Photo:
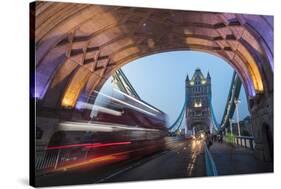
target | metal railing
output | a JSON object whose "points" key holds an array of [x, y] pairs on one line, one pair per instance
{"points": [[50, 159], [46, 160], [245, 141], [211, 169]]}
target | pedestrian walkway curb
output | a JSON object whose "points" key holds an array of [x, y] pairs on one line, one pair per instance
{"points": [[211, 169]]}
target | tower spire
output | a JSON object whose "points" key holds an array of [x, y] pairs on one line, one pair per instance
{"points": [[187, 78], [208, 75]]}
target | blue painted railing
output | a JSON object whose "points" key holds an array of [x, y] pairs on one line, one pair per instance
{"points": [[211, 169]]}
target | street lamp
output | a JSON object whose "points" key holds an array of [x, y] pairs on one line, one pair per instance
{"points": [[230, 124], [237, 101]]}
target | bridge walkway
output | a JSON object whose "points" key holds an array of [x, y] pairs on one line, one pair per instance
{"points": [[231, 160]]}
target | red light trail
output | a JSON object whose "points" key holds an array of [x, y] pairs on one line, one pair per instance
{"points": [[88, 145]]}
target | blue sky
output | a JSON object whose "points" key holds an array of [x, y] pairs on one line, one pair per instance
{"points": [[159, 79]]}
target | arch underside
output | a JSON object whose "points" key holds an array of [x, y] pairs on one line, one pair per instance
{"points": [[200, 125], [78, 46]]}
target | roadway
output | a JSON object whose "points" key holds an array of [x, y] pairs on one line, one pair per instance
{"points": [[182, 158]]}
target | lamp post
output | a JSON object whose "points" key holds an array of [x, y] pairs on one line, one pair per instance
{"points": [[230, 124], [236, 101], [193, 131], [231, 130]]}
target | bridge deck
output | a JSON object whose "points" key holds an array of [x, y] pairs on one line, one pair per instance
{"points": [[237, 160], [184, 159]]}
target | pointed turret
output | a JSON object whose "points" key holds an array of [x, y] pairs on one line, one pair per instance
{"points": [[187, 78], [208, 76]]}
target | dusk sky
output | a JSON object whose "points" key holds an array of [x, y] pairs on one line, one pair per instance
{"points": [[160, 80]]}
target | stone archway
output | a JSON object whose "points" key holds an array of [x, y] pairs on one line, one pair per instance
{"points": [[200, 126], [78, 46]]}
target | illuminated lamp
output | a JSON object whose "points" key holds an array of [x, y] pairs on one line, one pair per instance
{"points": [[197, 105], [191, 82]]}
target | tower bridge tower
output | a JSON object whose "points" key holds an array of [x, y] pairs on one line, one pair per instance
{"points": [[198, 98]]}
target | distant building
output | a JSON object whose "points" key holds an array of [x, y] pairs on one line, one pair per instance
{"points": [[198, 97]]}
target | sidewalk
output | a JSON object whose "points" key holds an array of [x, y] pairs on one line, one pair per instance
{"points": [[231, 160]]}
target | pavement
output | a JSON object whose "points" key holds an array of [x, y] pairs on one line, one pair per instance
{"points": [[232, 160]]}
